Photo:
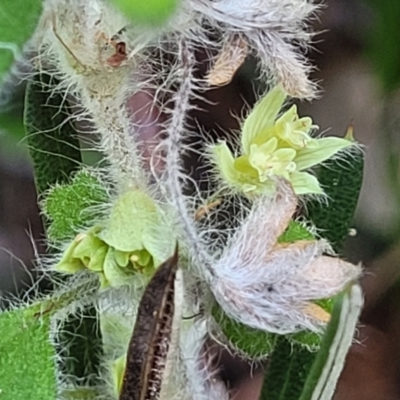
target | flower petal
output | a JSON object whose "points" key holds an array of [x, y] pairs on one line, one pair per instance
{"points": [[114, 275], [133, 214], [96, 262], [289, 115], [144, 258], [159, 243], [265, 135], [305, 183], [87, 246], [262, 116], [326, 148], [122, 258], [285, 154], [243, 166], [325, 276], [70, 267], [224, 161], [267, 148]]}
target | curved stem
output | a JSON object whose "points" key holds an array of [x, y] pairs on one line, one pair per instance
{"points": [[173, 164]]}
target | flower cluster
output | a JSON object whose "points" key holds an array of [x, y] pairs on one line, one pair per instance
{"points": [[118, 250], [275, 146]]}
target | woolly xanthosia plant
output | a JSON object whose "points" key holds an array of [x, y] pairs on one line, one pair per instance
{"points": [[135, 248]]}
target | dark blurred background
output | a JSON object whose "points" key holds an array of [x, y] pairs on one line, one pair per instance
{"points": [[357, 63]]}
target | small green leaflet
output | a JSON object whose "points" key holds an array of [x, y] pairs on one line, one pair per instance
{"points": [[325, 372]]}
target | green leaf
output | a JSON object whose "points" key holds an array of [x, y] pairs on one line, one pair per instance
{"points": [[251, 343], [341, 180], [80, 393], [79, 345], [295, 231], [148, 12], [295, 373], [52, 138], [69, 208], [27, 359], [18, 19], [287, 370], [322, 379]]}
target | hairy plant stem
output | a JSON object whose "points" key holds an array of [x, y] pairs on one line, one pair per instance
{"points": [[174, 139], [112, 121]]}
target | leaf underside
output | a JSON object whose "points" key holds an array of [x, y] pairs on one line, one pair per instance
{"points": [[52, 138]]}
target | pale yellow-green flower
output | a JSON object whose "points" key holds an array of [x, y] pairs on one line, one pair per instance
{"points": [[275, 146], [133, 240]]}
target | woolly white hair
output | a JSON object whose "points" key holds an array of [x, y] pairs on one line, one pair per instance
{"points": [[86, 45], [270, 27], [201, 380], [268, 286]]}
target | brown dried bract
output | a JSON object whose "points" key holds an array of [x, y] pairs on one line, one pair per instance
{"points": [[230, 58], [148, 348]]}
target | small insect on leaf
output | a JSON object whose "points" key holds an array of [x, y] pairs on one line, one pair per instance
{"points": [[148, 349]]}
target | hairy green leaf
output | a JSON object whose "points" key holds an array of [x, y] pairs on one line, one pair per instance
{"points": [[322, 379], [52, 138], [27, 365], [295, 231], [251, 343], [71, 207], [341, 179], [287, 371]]}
